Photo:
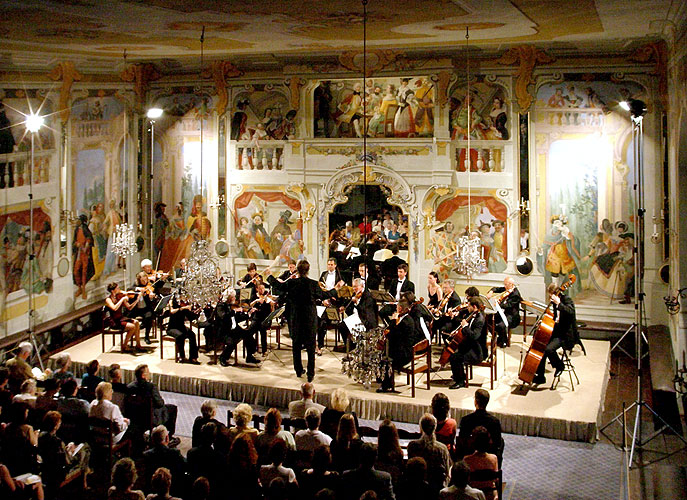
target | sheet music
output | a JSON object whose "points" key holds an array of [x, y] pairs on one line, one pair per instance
{"points": [[353, 322], [320, 310], [425, 330], [340, 247]]}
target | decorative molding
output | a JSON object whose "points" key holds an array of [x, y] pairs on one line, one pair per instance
{"points": [[377, 60], [527, 56], [656, 52], [66, 72], [443, 79], [219, 71], [423, 150], [141, 75], [294, 84]]}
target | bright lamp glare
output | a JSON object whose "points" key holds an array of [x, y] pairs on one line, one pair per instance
{"points": [[625, 105], [154, 113], [34, 123]]}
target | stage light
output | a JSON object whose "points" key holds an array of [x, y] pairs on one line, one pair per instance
{"points": [[637, 108], [154, 113], [34, 123], [625, 105]]}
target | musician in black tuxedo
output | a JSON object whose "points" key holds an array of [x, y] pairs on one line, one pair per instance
{"points": [[564, 332], [301, 293], [368, 276], [390, 265], [250, 279], [261, 307], [291, 271], [237, 325], [362, 303], [396, 288], [328, 280], [473, 347], [401, 337], [511, 309], [446, 323]]}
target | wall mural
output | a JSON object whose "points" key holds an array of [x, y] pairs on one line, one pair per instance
{"points": [[487, 218], [584, 142], [387, 107], [98, 121], [262, 114], [267, 227]]}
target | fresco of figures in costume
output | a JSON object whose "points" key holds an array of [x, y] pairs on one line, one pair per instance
{"points": [[487, 218], [487, 110], [267, 227], [98, 122], [387, 107], [585, 141], [174, 237], [15, 104]]}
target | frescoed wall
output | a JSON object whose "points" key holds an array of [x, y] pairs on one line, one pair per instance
{"points": [[267, 227], [262, 113], [584, 146], [387, 107]]}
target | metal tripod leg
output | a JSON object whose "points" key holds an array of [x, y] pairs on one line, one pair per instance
{"points": [[627, 332]]}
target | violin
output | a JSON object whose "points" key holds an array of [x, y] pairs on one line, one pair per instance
{"points": [[148, 290]]}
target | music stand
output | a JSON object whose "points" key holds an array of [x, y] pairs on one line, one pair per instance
{"points": [[345, 292], [488, 307], [333, 314], [382, 296], [273, 315], [245, 294], [164, 301]]}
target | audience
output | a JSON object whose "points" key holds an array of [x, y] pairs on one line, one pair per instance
{"points": [[446, 426], [160, 484], [459, 488], [115, 374], [160, 455], [346, 447], [63, 361], [5, 393], [338, 405], [320, 476], [357, 481], [123, 479], [435, 454], [389, 452], [243, 415], [272, 432], [103, 407], [413, 483], [275, 469], [312, 437], [27, 394], [480, 417], [90, 379], [297, 408], [19, 369], [47, 400], [74, 410], [13, 488], [481, 459], [208, 412], [165, 414], [19, 442], [242, 469], [200, 489], [204, 460]]}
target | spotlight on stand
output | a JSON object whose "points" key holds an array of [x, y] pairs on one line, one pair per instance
{"points": [[636, 107], [34, 123], [154, 113]]}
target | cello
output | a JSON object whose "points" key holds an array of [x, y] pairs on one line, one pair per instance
{"points": [[456, 340], [541, 338]]}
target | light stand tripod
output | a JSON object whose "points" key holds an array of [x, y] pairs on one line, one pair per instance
{"points": [[638, 109]]}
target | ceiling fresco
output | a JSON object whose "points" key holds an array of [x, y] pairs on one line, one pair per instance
{"points": [[36, 31]]}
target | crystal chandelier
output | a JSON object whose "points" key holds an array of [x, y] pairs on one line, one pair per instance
{"points": [[124, 242], [366, 362], [202, 283], [469, 260]]}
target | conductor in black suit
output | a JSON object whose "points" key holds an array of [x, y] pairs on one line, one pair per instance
{"points": [[301, 293], [362, 303], [472, 349], [511, 309], [355, 482], [396, 288], [563, 335], [403, 334]]}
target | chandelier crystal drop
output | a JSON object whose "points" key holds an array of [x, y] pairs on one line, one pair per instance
{"points": [[124, 242], [202, 283], [366, 362], [470, 261]]}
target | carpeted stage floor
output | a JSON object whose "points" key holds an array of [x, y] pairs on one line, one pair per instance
{"points": [[561, 414]]}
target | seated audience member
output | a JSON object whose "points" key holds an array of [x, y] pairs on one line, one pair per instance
{"points": [[275, 469], [200, 489], [12, 488], [480, 417], [272, 432], [115, 374], [331, 415], [165, 414], [73, 409], [357, 481], [160, 455], [297, 408], [27, 394], [243, 469], [47, 400], [90, 379], [312, 437], [63, 361], [276, 490], [19, 369], [435, 454], [320, 476], [160, 484], [208, 412], [459, 488], [389, 452], [413, 483], [19, 444], [243, 415], [103, 407], [204, 460], [5, 393], [345, 447], [446, 426], [123, 479], [481, 459], [58, 459], [325, 494]]}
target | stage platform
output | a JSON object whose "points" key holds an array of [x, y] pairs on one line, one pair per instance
{"points": [[563, 413]]}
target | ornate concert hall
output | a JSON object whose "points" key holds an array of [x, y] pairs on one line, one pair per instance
{"points": [[404, 200]]}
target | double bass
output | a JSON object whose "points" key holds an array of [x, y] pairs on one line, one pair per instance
{"points": [[541, 338]]}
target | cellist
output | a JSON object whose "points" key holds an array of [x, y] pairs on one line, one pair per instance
{"points": [[472, 347], [563, 332]]}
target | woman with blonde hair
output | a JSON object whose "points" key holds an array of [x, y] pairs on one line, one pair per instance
{"points": [[243, 414], [331, 415]]}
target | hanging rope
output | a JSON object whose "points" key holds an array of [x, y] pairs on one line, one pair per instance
{"points": [[468, 100], [365, 218], [202, 113]]}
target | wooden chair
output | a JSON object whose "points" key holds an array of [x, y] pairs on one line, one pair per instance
{"points": [[165, 336], [101, 439], [490, 360], [483, 475], [139, 410], [421, 350], [110, 330]]}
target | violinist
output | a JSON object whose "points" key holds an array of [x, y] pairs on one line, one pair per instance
{"points": [[368, 276], [179, 312], [416, 311], [563, 335], [329, 280], [401, 336], [446, 322], [237, 325], [472, 349], [364, 304], [153, 276], [250, 279], [288, 273], [115, 302], [398, 285], [145, 307], [262, 306], [509, 300]]}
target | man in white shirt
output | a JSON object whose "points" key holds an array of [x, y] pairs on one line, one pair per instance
{"points": [[459, 488], [312, 437], [298, 408], [103, 407], [396, 288]]}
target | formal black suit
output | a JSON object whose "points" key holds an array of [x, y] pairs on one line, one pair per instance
{"points": [[357, 481], [401, 338], [371, 282], [301, 294], [367, 311], [170, 458], [324, 323], [390, 269], [563, 335], [511, 310], [445, 324], [231, 333], [476, 419], [389, 309], [470, 349], [165, 414]]}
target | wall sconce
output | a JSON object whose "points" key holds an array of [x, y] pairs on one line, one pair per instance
{"points": [[307, 214], [221, 201], [656, 235], [69, 216], [428, 222]]}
